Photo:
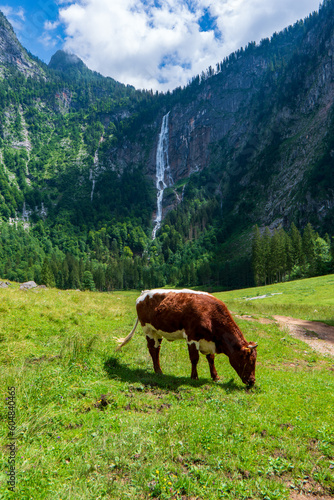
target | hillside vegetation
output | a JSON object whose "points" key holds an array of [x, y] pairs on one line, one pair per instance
{"points": [[94, 424], [250, 142]]}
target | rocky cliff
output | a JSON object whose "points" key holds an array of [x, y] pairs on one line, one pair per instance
{"points": [[256, 133], [12, 54], [261, 126]]}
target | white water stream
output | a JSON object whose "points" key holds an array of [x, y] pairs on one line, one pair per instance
{"points": [[93, 173], [163, 173]]}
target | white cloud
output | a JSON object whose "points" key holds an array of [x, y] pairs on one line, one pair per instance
{"points": [[161, 45], [20, 13], [47, 40], [49, 25]]}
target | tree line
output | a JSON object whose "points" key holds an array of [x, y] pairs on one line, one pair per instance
{"points": [[286, 255], [107, 260]]}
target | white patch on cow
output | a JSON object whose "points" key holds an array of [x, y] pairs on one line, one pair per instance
{"points": [[162, 291], [207, 347], [194, 342], [154, 334]]}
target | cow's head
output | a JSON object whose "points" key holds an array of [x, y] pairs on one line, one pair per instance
{"points": [[244, 361]]}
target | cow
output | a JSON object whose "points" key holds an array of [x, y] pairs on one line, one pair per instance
{"points": [[203, 321]]}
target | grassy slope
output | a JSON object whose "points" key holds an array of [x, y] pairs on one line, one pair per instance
{"points": [[160, 436], [311, 299]]}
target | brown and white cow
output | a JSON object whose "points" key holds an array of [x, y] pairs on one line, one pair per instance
{"points": [[203, 321]]}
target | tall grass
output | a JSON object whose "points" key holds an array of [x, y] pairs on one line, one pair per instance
{"points": [[93, 424]]}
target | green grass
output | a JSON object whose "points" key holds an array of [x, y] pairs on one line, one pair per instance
{"points": [[311, 299], [94, 424]]}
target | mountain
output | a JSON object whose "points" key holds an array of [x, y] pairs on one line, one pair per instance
{"points": [[12, 54], [70, 67], [83, 158], [65, 61], [259, 129]]}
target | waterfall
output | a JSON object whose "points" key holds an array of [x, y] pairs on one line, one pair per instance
{"points": [[91, 178], [93, 173], [162, 171]]}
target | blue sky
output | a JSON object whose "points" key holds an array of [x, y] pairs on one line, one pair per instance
{"points": [[158, 44]]}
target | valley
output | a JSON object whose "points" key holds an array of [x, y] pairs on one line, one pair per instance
{"points": [[97, 179]]}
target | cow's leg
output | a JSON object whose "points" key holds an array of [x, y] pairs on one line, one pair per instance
{"points": [[194, 357], [213, 371], [154, 351]]}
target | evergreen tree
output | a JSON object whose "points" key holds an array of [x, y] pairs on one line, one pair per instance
{"points": [[47, 276], [267, 256], [298, 257], [258, 257], [88, 281], [308, 242]]}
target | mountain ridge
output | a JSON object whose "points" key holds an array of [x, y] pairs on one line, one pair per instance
{"points": [[12, 53], [248, 142]]}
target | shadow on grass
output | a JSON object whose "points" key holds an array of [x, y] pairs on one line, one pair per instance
{"points": [[120, 371]]}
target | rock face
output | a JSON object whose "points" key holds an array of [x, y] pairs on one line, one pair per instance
{"points": [[13, 54], [212, 115], [259, 126], [259, 130]]}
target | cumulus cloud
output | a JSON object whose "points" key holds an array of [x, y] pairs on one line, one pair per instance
{"points": [[161, 45], [50, 26], [47, 40]]}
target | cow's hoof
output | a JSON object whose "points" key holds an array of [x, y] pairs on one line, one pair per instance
{"points": [[215, 379]]}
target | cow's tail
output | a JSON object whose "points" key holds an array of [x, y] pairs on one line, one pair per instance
{"points": [[127, 339]]}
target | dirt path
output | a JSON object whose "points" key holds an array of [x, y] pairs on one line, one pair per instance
{"points": [[318, 335]]}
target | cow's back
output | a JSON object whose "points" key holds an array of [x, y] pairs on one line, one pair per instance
{"points": [[171, 311]]}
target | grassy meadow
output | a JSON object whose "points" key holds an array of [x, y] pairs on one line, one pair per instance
{"points": [[93, 424], [311, 299]]}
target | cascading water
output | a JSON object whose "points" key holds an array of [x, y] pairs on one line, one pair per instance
{"points": [[94, 172], [162, 171]]}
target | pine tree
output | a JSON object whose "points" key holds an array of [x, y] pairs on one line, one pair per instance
{"points": [[296, 246], [88, 282], [308, 240], [267, 255], [47, 276], [258, 258]]}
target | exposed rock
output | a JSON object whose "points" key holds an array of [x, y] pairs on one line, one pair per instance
{"points": [[28, 285], [262, 128], [12, 52], [256, 129]]}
